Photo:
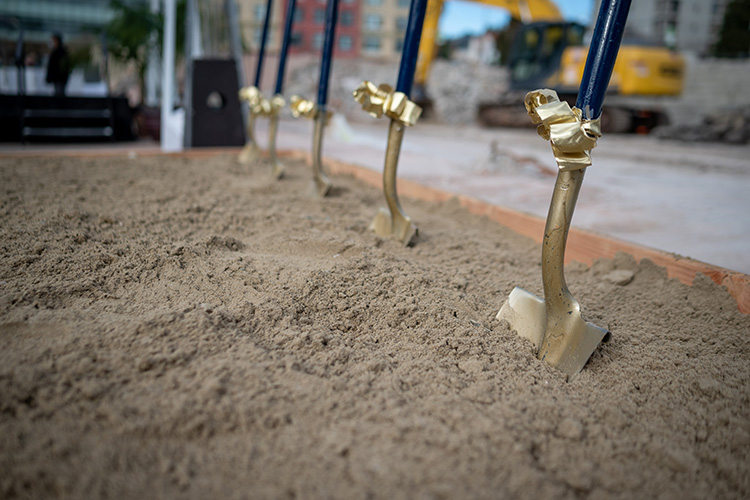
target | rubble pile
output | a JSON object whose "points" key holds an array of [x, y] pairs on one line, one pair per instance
{"points": [[456, 88], [729, 125], [347, 75]]}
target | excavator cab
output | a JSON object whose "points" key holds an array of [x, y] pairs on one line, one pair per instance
{"points": [[537, 52]]}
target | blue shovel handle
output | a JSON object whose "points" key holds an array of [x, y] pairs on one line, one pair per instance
{"points": [[605, 42], [411, 46], [288, 22], [263, 37], [332, 13]]}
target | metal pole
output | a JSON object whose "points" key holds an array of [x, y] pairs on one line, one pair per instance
{"points": [[152, 73], [167, 87], [235, 39]]}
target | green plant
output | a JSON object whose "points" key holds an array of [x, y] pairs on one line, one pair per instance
{"points": [[734, 37], [130, 30]]}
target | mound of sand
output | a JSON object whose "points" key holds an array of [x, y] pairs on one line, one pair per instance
{"points": [[190, 329]]}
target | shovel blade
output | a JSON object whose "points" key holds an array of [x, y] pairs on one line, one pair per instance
{"points": [[570, 342], [387, 225], [249, 154], [526, 314]]}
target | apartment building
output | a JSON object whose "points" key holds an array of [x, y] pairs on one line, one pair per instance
{"points": [[309, 25], [383, 27], [687, 25], [252, 16], [368, 28]]}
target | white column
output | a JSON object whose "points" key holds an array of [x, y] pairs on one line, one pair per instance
{"points": [[172, 123]]}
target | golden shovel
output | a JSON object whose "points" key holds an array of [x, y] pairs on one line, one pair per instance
{"points": [[300, 106], [276, 104], [254, 98], [554, 325], [379, 101], [392, 221]]}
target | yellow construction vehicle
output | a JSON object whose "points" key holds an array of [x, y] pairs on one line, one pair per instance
{"points": [[549, 52]]}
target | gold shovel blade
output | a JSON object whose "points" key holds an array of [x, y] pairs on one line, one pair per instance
{"points": [[249, 154], [562, 338], [396, 225]]}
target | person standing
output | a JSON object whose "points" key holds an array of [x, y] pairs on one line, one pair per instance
{"points": [[58, 67]]}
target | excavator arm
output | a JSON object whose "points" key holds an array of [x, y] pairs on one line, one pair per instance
{"points": [[524, 10]]}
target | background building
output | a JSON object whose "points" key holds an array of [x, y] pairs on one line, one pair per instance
{"points": [[383, 27], [309, 25], [252, 15], [687, 25]]}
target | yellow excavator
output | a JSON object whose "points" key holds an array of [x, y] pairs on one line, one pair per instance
{"points": [[549, 52]]}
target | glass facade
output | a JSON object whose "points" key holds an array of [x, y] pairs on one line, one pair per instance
{"points": [[71, 18]]}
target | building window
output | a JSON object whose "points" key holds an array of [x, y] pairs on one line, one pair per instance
{"points": [[373, 22], [347, 18], [320, 16], [317, 40], [404, 3], [399, 45], [401, 23], [345, 43], [371, 44], [299, 15], [296, 40], [375, 3], [259, 12]]}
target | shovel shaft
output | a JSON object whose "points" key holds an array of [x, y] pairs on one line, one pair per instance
{"points": [[395, 138], [392, 222], [556, 293], [321, 181], [273, 128], [249, 153]]}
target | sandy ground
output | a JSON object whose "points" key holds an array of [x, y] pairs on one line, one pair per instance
{"points": [[189, 329]]}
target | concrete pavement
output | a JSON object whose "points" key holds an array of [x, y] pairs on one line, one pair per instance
{"points": [[689, 199]]}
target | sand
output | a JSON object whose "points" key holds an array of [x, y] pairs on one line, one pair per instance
{"points": [[174, 328]]}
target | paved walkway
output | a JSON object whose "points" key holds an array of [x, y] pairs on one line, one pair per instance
{"points": [[690, 199]]}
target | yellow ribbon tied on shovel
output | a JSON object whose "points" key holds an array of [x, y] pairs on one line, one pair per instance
{"points": [[259, 105], [253, 97], [274, 105], [383, 100], [572, 137], [305, 108]]}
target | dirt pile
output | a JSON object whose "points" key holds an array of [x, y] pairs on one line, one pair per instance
{"points": [[192, 329]]}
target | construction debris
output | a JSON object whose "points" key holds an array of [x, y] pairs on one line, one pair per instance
{"points": [[456, 88], [729, 125]]}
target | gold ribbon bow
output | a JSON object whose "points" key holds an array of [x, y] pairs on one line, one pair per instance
{"points": [[572, 136], [253, 97], [382, 100], [275, 105], [259, 105], [306, 108]]}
